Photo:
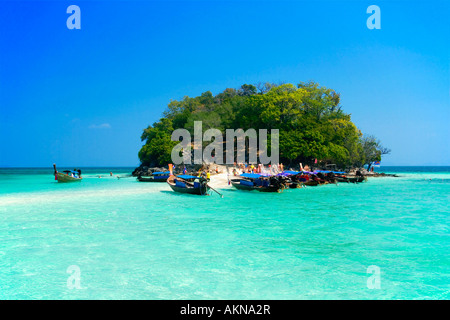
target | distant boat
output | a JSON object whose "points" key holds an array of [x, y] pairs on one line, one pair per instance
{"points": [[67, 175], [155, 177], [189, 184]]}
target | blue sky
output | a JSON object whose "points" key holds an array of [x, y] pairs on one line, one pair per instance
{"points": [[83, 97]]}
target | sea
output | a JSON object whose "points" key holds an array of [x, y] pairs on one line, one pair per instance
{"points": [[112, 237]]}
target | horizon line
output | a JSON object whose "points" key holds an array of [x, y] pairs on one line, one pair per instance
{"points": [[134, 166]]}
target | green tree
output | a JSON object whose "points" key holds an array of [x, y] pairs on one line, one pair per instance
{"points": [[158, 147], [311, 121], [372, 150]]}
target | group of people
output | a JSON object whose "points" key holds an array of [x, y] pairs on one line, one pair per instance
{"points": [[259, 168], [75, 173], [204, 174]]}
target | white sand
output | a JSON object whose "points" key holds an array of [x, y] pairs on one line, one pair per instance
{"points": [[220, 180]]}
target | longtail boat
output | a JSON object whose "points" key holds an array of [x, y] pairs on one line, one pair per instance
{"points": [[342, 179], [356, 179], [291, 179], [155, 177], [189, 184], [302, 178], [67, 175], [253, 181], [311, 183]]}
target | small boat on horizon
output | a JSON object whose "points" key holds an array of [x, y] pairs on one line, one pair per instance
{"points": [[67, 175]]}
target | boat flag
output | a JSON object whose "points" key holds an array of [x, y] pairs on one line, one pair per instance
{"points": [[170, 169]]}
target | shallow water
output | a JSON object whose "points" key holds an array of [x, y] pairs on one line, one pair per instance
{"points": [[134, 240]]}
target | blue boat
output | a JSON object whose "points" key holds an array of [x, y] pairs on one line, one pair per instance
{"points": [[155, 177], [254, 181], [189, 184]]}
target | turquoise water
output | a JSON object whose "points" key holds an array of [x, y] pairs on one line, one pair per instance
{"points": [[134, 240]]}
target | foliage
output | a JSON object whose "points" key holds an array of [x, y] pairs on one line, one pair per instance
{"points": [[372, 150], [311, 121]]}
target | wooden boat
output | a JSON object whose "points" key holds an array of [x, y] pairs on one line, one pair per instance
{"points": [[289, 179], [342, 179], [243, 184], [295, 185], [311, 183], [67, 175], [155, 177], [189, 184], [304, 179], [292, 184], [271, 188], [251, 181], [357, 179]]}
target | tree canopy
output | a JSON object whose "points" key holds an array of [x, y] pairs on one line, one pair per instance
{"points": [[310, 119]]}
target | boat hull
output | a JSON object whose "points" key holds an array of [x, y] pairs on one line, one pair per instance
{"points": [[270, 189], [62, 177], [311, 183], [196, 191], [356, 179], [294, 185], [237, 184], [189, 188], [153, 179]]}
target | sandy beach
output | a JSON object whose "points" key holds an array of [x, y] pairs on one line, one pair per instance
{"points": [[220, 180]]}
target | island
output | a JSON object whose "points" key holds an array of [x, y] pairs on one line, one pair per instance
{"points": [[314, 130]]}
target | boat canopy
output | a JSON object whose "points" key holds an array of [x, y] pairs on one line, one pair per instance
{"points": [[167, 172], [68, 171], [287, 172], [251, 175], [186, 177], [326, 171]]}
